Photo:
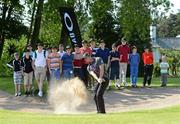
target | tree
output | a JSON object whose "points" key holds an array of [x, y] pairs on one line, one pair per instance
{"points": [[104, 24], [135, 18], [11, 25], [169, 26], [37, 23]]}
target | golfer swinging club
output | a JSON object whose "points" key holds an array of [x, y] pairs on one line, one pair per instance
{"points": [[96, 69]]}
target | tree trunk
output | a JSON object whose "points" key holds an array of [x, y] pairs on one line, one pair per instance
{"points": [[32, 22], [37, 24], [2, 36], [2, 39]]}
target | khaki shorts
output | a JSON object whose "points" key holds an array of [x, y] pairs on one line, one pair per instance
{"points": [[28, 78], [40, 73]]}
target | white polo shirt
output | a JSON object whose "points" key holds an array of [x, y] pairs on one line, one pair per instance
{"points": [[40, 59]]}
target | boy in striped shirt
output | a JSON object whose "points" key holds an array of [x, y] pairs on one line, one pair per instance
{"points": [[54, 63]]}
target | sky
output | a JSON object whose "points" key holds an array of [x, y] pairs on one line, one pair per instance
{"points": [[176, 6]]}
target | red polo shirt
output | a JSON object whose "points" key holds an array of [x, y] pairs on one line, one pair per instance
{"points": [[124, 51], [147, 58]]}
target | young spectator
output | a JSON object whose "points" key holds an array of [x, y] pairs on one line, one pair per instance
{"points": [[124, 51], [54, 63], [48, 75], [164, 66], [85, 50], [28, 68], [78, 62], [93, 47], [113, 63], [134, 60], [61, 50], [67, 63], [103, 53], [18, 72], [148, 59], [96, 69], [31, 53], [40, 57]]}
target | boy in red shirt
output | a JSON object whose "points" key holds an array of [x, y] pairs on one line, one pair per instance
{"points": [[78, 62], [148, 59], [85, 50], [124, 51]]}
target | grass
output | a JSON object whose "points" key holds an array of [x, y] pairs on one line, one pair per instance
{"points": [[161, 116], [6, 84]]}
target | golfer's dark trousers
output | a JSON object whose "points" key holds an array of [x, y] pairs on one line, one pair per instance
{"points": [[98, 96], [148, 71]]}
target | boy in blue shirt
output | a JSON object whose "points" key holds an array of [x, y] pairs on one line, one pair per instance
{"points": [[113, 63], [134, 60], [67, 63], [103, 53]]}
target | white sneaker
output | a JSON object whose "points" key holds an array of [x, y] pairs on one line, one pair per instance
{"points": [[16, 94], [40, 94], [19, 94], [118, 86]]}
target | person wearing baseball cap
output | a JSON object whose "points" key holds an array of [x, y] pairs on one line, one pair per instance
{"points": [[148, 60], [67, 63]]}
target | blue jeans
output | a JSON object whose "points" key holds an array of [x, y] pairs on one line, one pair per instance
{"points": [[55, 74], [68, 73], [134, 74]]}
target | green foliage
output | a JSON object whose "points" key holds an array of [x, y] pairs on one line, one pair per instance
{"points": [[156, 71], [10, 47], [135, 20], [104, 24], [173, 60], [169, 26]]}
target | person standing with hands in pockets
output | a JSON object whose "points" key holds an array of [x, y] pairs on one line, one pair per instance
{"points": [[96, 70]]}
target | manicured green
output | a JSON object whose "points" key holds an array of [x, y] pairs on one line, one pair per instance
{"points": [[6, 84], [161, 116]]}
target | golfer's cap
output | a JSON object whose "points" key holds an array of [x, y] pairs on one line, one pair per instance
{"points": [[86, 55]]}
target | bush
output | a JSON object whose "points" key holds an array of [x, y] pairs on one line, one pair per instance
{"points": [[156, 71]]}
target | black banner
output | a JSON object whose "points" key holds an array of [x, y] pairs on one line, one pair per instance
{"points": [[69, 21]]}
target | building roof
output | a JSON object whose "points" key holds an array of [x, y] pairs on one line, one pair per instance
{"points": [[169, 43]]}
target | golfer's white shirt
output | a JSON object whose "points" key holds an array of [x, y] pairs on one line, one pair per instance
{"points": [[40, 60]]}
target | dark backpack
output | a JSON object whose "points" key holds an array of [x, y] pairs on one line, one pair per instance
{"points": [[35, 54]]}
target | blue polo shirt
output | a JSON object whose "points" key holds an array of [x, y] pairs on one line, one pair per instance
{"points": [[134, 59], [104, 54], [67, 61]]}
